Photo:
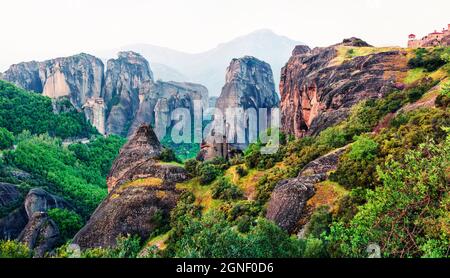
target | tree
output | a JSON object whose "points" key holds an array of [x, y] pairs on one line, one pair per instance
{"points": [[403, 215], [6, 138], [69, 222]]}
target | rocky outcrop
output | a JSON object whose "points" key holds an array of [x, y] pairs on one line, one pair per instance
{"points": [[79, 78], [128, 79], [9, 194], [248, 86], [39, 200], [141, 148], [41, 234], [288, 200], [318, 87], [141, 189], [162, 99], [115, 102], [12, 224]]}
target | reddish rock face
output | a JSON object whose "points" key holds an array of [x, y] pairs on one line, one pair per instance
{"points": [[318, 92]]}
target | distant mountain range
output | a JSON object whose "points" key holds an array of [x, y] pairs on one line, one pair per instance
{"points": [[208, 68]]}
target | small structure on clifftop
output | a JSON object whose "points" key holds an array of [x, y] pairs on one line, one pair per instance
{"points": [[432, 39]]}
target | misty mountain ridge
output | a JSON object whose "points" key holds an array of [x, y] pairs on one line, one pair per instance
{"points": [[208, 67]]}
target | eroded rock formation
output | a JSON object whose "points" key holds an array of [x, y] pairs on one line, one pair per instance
{"points": [[41, 234], [30, 223], [318, 87], [140, 188], [248, 87], [288, 200], [115, 102]]}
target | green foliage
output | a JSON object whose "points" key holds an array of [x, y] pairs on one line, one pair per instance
{"points": [[225, 190], [241, 171], [319, 222], [208, 173], [21, 110], [168, 155], [357, 168], [99, 154], [182, 151], [46, 157], [363, 148], [14, 249], [406, 215], [213, 237], [6, 139], [126, 247], [431, 60], [191, 166], [254, 158], [69, 222]]}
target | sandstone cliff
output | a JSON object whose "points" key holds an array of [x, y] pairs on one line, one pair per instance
{"points": [[319, 86], [115, 102], [133, 98], [79, 78], [248, 85], [140, 189]]}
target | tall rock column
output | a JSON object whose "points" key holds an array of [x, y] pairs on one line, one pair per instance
{"points": [[248, 84], [127, 77]]}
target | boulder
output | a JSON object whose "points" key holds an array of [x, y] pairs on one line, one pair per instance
{"points": [[288, 200], [41, 234], [39, 200], [9, 194]]}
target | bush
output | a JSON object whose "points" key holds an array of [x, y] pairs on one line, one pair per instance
{"points": [[208, 173], [69, 222], [22, 110], [431, 61], [411, 204], [6, 139], [191, 166], [168, 155], [225, 190], [319, 223], [364, 148], [14, 249], [241, 171]]}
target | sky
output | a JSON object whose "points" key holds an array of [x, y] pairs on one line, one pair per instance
{"points": [[44, 29]]}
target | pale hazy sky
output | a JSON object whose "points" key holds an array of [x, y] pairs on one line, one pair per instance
{"points": [[42, 29]]}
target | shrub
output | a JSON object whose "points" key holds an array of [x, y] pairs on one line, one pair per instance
{"points": [[241, 171], [69, 222], [14, 249], [411, 203], [319, 223], [364, 148], [191, 166], [168, 155], [225, 190], [207, 173]]}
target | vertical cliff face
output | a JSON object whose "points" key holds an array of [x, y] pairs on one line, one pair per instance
{"points": [[164, 97], [318, 87], [127, 77], [133, 98], [116, 102], [248, 84], [79, 78]]}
